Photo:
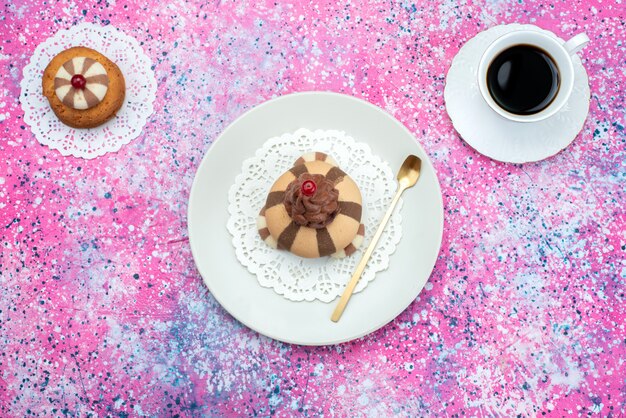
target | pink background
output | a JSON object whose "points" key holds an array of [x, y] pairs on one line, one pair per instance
{"points": [[102, 311]]}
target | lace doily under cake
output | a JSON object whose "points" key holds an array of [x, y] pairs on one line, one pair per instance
{"points": [[136, 67], [301, 279]]}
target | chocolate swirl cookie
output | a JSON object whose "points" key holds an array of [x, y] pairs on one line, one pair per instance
{"points": [[313, 210], [85, 89]]}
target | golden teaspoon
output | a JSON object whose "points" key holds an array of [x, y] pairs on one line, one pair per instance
{"points": [[408, 175]]}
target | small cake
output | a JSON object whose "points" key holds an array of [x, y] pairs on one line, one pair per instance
{"points": [[85, 89], [313, 210]]}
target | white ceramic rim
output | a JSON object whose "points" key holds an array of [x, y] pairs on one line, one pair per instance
{"points": [[553, 47], [308, 323]]}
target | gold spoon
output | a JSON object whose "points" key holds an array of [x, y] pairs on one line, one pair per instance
{"points": [[407, 177]]}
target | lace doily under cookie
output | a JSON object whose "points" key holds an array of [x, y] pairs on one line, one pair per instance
{"points": [[301, 279], [124, 51]]}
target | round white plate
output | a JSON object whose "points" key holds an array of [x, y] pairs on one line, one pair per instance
{"points": [[497, 137], [263, 310]]}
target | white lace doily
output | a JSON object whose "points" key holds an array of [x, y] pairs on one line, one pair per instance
{"points": [[324, 278], [120, 48]]}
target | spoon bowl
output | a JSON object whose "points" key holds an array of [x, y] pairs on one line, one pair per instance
{"points": [[410, 171]]}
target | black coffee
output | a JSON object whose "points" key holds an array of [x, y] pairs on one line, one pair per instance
{"points": [[523, 79]]}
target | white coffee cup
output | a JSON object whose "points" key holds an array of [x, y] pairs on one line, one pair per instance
{"points": [[561, 53]]}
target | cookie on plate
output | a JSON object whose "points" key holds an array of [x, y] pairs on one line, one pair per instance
{"points": [[313, 210], [85, 89]]}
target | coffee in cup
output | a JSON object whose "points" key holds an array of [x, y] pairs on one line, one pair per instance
{"points": [[528, 75], [523, 79]]}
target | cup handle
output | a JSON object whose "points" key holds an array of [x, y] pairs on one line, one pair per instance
{"points": [[576, 43]]}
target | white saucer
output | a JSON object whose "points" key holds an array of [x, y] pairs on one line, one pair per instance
{"points": [[262, 309], [491, 134]]}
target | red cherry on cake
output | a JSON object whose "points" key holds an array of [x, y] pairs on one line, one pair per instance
{"points": [[308, 188], [78, 81]]}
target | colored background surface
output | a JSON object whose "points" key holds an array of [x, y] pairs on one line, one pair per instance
{"points": [[102, 311]]}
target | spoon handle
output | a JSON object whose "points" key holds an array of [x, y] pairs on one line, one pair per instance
{"points": [[347, 294]]}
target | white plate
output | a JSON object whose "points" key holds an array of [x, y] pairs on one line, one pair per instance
{"points": [[497, 137], [263, 310]]}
